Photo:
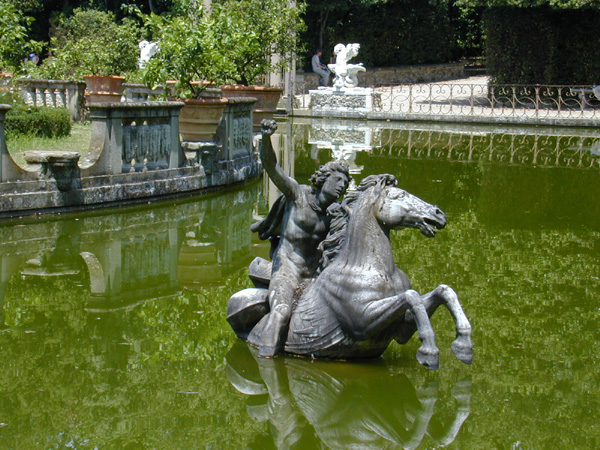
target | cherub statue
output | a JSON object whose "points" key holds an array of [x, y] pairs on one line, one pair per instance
{"points": [[147, 51], [346, 75]]}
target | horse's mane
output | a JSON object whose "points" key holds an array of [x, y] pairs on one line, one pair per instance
{"points": [[340, 216]]}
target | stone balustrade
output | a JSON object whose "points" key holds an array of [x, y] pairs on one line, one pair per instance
{"points": [[133, 137], [54, 93], [135, 153]]}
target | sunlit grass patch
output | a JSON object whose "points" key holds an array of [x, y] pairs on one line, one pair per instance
{"points": [[78, 141]]}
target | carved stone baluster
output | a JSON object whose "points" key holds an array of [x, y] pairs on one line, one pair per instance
{"points": [[60, 97], [40, 97], [29, 96], [49, 97], [152, 155], [140, 153], [129, 137], [165, 146]]}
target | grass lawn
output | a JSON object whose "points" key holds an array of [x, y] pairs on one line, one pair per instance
{"points": [[78, 141]]}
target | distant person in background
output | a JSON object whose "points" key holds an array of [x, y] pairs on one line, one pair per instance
{"points": [[319, 68]]}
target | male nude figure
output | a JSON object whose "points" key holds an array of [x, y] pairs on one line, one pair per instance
{"points": [[303, 224]]}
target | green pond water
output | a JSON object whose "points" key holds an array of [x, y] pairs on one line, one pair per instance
{"points": [[113, 331]]}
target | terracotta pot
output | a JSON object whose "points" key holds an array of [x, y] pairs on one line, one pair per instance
{"points": [[103, 88], [266, 100], [199, 119]]}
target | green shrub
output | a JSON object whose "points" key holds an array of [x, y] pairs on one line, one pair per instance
{"points": [[92, 42], [38, 121], [254, 29], [191, 49], [390, 33], [9, 96], [14, 40]]}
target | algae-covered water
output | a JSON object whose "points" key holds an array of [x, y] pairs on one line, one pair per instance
{"points": [[113, 331]]}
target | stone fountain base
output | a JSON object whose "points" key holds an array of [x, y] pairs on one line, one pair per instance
{"points": [[356, 99]]}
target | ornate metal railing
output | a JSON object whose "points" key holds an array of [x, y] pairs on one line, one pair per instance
{"points": [[464, 99]]}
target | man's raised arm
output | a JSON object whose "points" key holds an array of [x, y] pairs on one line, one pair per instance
{"points": [[286, 184]]}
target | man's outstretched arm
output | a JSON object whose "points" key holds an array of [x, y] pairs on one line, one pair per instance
{"points": [[286, 184]]}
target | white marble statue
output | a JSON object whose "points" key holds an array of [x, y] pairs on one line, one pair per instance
{"points": [[147, 51], [346, 75]]}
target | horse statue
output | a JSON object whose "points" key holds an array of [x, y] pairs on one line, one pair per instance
{"points": [[346, 75], [360, 301]]}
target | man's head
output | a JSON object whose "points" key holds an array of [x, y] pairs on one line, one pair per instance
{"points": [[337, 168], [319, 51]]}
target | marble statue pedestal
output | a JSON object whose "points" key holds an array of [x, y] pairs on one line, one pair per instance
{"points": [[356, 99]]}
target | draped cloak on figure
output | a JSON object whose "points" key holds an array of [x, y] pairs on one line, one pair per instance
{"points": [[270, 227]]}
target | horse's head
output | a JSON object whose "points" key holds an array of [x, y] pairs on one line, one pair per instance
{"points": [[395, 209], [377, 198]]}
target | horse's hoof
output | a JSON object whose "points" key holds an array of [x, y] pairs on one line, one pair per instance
{"points": [[430, 359], [464, 352]]}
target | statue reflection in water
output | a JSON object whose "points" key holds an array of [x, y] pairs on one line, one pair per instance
{"points": [[327, 402]]}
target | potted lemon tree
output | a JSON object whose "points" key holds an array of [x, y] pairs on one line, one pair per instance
{"points": [[255, 31], [189, 64], [91, 45]]}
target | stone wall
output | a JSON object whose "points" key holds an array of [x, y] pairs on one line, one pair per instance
{"points": [[390, 76]]}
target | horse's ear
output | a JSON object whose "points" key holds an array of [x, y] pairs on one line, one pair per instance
{"points": [[390, 180], [378, 187], [383, 181]]}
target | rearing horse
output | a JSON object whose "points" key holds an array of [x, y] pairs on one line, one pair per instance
{"points": [[361, 301]]}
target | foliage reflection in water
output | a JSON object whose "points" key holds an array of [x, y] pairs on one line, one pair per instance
{"points": [[113, 331]]}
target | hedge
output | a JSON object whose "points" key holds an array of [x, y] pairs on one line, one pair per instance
{"points": [[38, 121], [391, 33], [542, 45]]}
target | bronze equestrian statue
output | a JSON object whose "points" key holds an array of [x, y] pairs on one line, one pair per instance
{"points": [[358, 301]]}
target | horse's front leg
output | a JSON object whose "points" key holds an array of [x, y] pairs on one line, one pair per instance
{"points": [[380, 314], [443, 295]]}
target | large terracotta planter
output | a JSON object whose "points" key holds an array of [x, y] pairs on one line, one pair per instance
{"points": [[103, 88], [266, 100], [199, 119]]}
